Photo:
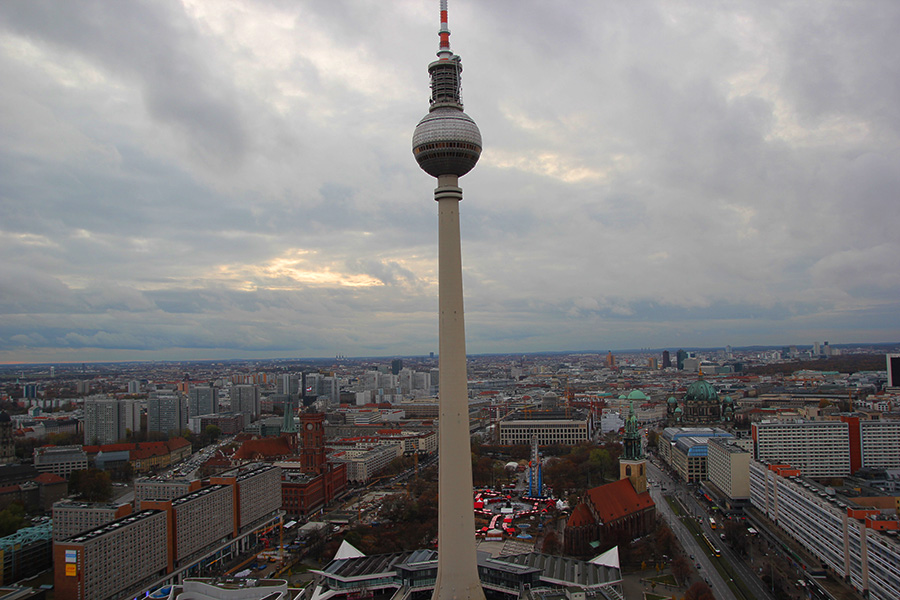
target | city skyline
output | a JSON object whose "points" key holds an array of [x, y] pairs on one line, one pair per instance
{"points": [[196, 181]]}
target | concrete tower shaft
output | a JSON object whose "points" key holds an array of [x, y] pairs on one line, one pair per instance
{"points": [[447, 145]]}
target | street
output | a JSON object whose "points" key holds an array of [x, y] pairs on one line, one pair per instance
{"points": [[733, 563]]}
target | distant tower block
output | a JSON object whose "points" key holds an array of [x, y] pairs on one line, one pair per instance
{"points": [[447, 144]]}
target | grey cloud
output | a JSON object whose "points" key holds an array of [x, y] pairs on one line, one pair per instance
{"points": [[154, 46]]}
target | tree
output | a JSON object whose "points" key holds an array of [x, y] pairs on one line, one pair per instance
{"points": [[212, 432], [12, 518], [93, 485], [699, 591], [735, 534], [551, 543], [681, 569], [664, 540]]}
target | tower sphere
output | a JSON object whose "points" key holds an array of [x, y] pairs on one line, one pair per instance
{"points": [[446, 142]]}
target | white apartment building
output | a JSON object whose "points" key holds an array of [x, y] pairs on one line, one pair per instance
{"points": [[816, 448], [880, 441], [167, 413], [728, 468], [858, 543], [107, 420], [829, 448], [365, 463], [246, 399], [71, 518]]}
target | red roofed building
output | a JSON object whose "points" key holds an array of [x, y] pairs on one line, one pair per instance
{"points": [[609, 515], [267, 448]]}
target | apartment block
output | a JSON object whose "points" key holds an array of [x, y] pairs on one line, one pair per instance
{"points": [[728, 468], [855, 537], [108, 420], [687, 457], [108, 562], [816, 448], [71, 518], [880, 444], [364, 463], [142, 551], [197, 522], [829, 448], [158, 488], [258, 495]]}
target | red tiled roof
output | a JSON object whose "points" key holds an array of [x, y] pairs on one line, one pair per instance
{"points": [[176, 443], [268, 447], [581, 515], [618, 499], [49, 478]]}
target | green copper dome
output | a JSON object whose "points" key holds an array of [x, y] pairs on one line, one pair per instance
{"points": [[701, 391], [637, 395], [672, 400]]}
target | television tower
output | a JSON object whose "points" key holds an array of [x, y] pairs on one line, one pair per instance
{"points": [[447, 144]]}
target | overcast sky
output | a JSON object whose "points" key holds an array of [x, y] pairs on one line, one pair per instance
{"points": [[234, 178]]}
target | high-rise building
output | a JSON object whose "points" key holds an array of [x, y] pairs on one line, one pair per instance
{"points": [[167, 413], [447, 145], [829, 448], [245, 399], [396, 365], [893, 370], [161, 543], [203, 400], [315, 383], [288, 385], [71, 518], [679, 359], [667, 360], [108, 420]]}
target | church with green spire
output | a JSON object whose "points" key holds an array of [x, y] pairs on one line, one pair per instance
{"points": [[633, 465]]}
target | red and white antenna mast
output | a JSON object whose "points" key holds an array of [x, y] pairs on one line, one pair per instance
{"points": [[444, 52]]}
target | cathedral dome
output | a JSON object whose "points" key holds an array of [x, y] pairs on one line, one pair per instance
{"points": [[672, 400], [637, 395], [701, 391]]}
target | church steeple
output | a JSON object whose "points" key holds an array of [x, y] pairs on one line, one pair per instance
{"points": [[632, 440], [632, 465], [287, 422]]}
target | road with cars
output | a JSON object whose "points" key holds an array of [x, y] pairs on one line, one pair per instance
{"points": [[690, 544], [735, 564]]}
